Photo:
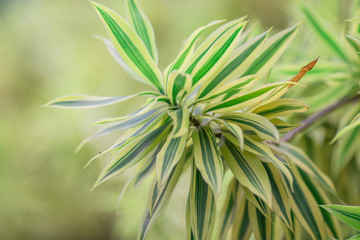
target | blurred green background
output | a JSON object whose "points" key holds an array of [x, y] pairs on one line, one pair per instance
{"points": [[47, 49]]}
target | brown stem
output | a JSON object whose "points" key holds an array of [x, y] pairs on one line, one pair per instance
{"points": [[322, 113]]}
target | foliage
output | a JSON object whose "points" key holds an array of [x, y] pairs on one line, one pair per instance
{"points": [[210, 112]]}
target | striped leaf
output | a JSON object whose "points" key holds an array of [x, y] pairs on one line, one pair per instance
{"points": [[265, 152], [114, 53], [280, 198], [321, 197], [133, 152], [260, 225], [304, 163], [181, 122], [186, 52], [86, 101], [282, 126], [207, 44], [228, 212], [260, 204], [176, 83], [201, 206], [241, 227], [248, 170], [356, 237], [168, 157], [236, 85], [130, 47], [348, 214], [159, 197], [272, 51], [236, 131], [239, 102], [353, 124], [305, 207], [280, 108], [207, 157], [216, 56], [253, 122], [240, 59], [142, 26]]}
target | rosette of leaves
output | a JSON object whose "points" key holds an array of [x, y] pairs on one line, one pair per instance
{"points": [[210, 112], [336, 79]]}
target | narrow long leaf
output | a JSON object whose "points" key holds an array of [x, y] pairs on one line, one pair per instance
{"points": [[348, 214]]}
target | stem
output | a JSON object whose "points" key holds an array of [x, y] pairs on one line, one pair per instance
{"points": [[322, 113]]}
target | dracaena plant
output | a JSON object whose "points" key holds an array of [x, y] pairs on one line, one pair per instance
{"points": [[210, 112]]}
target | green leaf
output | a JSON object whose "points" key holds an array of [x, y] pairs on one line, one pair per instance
{"points": [[241, 227], [181, 121], [272, 51], [282, 126], [207, 157], [159, 197], [86, 101], [348, 214], [176, 83], [130, 47], [253, 122], [353, 124], [304, 163], [240, 59], [248, 170], [228, 212], [133, 151], [186, 53], [239, 102], [260, 225], [305, 207], [168, 157], [280, 197], [236, 131], [356, 237], [280, 108], [216, 56], [142, 26], [201, 206]]}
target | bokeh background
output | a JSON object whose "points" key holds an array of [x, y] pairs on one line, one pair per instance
{"points": [[47, 49]]}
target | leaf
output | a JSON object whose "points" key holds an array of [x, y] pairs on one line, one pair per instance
{"points": [[271, 51], [181, 121], [114, 53], [280, 198], [201, 206], [239, 102], [236, 131], [185, 54], [264, 151], [207, 157], [353, 124], [348, 214], [248, 170], [168, 157], [304, 163], [176, 83], [216, 56], [280, 108], [240, 59], [159, 197], [132, 152], [305, 207], [241, 227], [253, 122], [86, 101], [130, 47], [260, 225], [142, 26], [228, 212], [282, 126]]}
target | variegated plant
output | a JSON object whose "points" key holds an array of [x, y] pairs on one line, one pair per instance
{"points": [[209, 112]]}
